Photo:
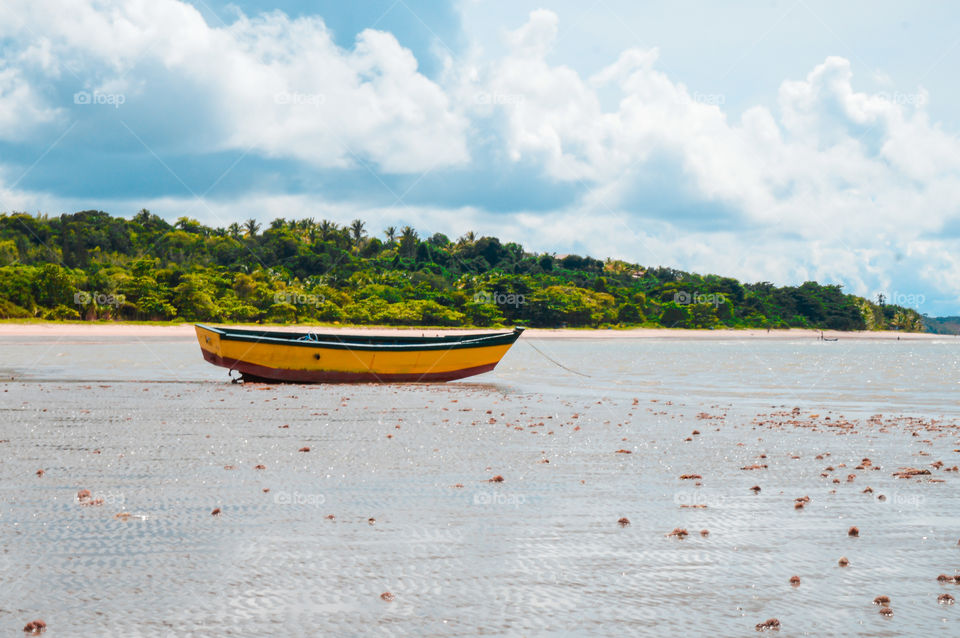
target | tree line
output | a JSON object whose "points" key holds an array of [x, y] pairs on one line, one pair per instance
{"points": [[91, 265]]}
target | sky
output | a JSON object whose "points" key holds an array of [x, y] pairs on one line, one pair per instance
{"points": [[777, 140]]}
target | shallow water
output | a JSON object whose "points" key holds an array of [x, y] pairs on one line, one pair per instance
{"points": [[148, 427]]}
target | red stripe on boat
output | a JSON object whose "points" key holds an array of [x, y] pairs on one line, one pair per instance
{"points": [[265, 373]]}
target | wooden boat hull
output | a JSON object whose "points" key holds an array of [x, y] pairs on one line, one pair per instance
{"points": [[301, 358]]}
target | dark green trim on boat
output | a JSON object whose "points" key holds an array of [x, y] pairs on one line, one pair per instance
{"points": [[367, 342]]}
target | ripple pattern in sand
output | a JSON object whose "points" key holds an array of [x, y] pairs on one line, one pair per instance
{"points": [[405, 474]]}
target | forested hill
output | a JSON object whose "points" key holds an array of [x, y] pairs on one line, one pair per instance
{"points": [[943, 325], [91, 265]]}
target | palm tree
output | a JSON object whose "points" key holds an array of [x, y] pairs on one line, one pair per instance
{"points": [[327, 229], [356, 228], [252, 227], [234, 230], [278, 223], [408, 241], [468, 238], [305, 226], [391, 233]]}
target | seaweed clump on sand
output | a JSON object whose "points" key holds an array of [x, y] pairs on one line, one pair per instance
{"points": [[910, 472], [772, 624]]}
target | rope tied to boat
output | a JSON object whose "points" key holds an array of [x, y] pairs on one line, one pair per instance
{"points": [[554, 361]]}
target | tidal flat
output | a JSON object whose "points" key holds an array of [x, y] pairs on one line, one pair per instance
{"points": [[377, 509]]}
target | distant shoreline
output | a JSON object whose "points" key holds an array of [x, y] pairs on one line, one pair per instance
{"points": [[121, 329]]}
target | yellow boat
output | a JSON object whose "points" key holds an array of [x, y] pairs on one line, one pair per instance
{"points": [[307, 357]]}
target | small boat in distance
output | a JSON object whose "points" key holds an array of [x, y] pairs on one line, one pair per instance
{"points": [[308, 357]]}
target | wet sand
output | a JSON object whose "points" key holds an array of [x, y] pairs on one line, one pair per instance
{"points": [[395, 494]]}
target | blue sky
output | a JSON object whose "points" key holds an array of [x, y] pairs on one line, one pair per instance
{"points": [[779, 140]]}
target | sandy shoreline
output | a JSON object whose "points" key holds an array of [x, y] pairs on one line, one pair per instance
{"points": [[92, 329]]}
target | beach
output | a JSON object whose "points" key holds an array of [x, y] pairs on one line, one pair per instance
{"points": [[652, 483], [345, 193]]}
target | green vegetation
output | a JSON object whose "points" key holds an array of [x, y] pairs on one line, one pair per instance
{"points": [[93, 266], [943, 325]]}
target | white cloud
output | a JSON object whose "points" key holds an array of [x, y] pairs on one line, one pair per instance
{"points": [[22, 110], [270, 84], [535, 38], [821, 181]]}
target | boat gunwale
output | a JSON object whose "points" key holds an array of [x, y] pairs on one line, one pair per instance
{"points": [[376, 342]]}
